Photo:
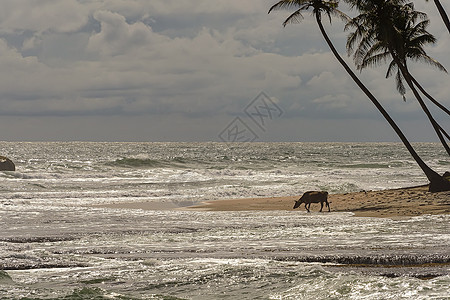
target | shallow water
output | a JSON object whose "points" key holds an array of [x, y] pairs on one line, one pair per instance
{"points": [[213, 255], [55, 245]]}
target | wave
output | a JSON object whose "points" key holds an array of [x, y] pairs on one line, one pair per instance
{"points": [[135, 162], [21, 175], [45, 239], [372, 165], [195, 163], [384, 260], [443, 162], [130, 162], [94, 293]]}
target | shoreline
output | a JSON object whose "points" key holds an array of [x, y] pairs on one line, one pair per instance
{"points": [[393, 203]]}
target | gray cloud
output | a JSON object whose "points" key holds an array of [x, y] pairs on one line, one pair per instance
{"points": [[131, 60]]}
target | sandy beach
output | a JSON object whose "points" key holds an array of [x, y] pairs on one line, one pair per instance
{"points": [[396, 203]]}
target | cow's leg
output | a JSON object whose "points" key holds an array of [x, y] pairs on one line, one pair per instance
{"points": [[321, 206], [328, 204], [307, 209]]}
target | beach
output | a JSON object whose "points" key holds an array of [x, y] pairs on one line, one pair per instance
{"points": [[393, 203], [215, 220]]}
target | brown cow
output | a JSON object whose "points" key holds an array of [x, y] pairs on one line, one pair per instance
{"points": [[313, 197]]}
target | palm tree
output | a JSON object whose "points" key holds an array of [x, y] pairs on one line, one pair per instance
{"points": [[413, 37], [387, 28], [443, 14], [319, 7]]}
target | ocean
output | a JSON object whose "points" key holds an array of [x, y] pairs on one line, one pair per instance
{"points": [[58, 242]]}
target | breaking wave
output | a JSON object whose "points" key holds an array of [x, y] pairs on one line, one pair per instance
{"points": [[378, 260], [130, 162]]}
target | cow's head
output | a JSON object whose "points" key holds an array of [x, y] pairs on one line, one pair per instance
{"points": [[298, 203]]}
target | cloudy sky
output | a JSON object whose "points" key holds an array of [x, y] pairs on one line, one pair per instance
{"points": [[189, 70]]}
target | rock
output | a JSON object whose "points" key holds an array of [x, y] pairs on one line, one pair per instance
{"points": [[6, 164]]}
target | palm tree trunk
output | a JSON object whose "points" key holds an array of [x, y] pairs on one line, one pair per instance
{"points": [[417, 84], [437, 182], [408, 76], [443, 14], [430, 97]]}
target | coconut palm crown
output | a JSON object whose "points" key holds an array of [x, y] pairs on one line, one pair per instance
{"points": [[318, 7], [407, 40]]}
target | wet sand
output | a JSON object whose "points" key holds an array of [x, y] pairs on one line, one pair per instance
{"points": [[386, 204], [396, 203]]}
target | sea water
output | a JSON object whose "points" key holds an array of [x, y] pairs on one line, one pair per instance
{"points": [[56, 242]]}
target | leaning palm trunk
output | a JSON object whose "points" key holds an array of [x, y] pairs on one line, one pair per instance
{"points": [[408, 76], [443, 14], [437, 182], [422, 90], [416, 83], [437, 128]]}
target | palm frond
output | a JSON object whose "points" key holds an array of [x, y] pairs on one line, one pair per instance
{"points": [[328, 7], [421, 40], [399, 84], [392, 68], [352, 39], [366, 43], [296, 17], [286, 4], [431, 61], [340, 14], [373, 60]]}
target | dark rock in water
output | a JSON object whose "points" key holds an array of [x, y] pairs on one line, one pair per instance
{"points": [[6, 164]]}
